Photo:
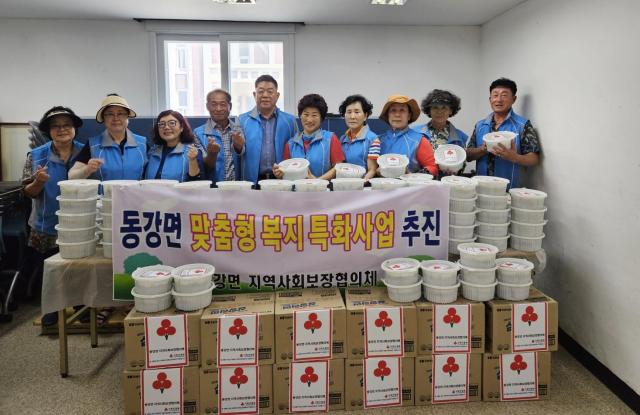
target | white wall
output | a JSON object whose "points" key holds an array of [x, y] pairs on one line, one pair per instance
{"points": [[577, 65]]}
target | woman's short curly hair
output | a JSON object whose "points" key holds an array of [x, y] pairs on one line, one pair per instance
{"points": [[441, 97], [313, 101], [351, 99], [186, 136]]}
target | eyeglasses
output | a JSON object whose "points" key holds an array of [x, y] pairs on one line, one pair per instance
{"points": [[172, 124], [61, 127], [115, 115]]}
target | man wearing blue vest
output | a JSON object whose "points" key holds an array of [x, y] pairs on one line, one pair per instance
{"points": [[266, 130], [525, 148]]}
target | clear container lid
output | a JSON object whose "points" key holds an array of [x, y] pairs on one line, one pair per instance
{"points": [[294, 164], [349, 168], [490, 179], [516, 264], [400, 264], [438, 265], [528, 193], [450, 154], [416, 176], [393, 160], [458, 181], [477, 249]]}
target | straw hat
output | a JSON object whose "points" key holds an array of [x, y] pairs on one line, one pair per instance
{"points": [[43, 126], [400, 99], [113, 100]]}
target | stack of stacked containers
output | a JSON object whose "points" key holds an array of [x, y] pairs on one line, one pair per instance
{"points": [[462, 210], [402, 278], [392, 167], [419, 179], [514, 278], [106, 212], [348, 177], [478, 264], [527, 219], [77, 218], [193, 286], [440, 281], [152, 288], [493, 213]]}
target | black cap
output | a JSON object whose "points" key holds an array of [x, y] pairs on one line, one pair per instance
{"points": [[58, 110]]}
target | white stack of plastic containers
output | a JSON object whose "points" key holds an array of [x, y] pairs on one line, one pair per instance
{"points": [[77, 218], [514, 278], [440, 281], [107, 212], [152, 290], [402, 278], [493, 213], [193, 285], [462, 210], [478, 264], [527, 219]]}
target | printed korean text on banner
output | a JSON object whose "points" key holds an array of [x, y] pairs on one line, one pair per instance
{"points": [[452, 328], [166, 341], [161, 391], [312, 334], [383, 331], [265, 241], [238, 390], [530, 327], [308, 386], [518, 376], [382, 382], [238, 340], [450, 381]]}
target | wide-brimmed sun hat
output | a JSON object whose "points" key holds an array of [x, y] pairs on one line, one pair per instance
{"points": [[113, 100], [45, 121], [400, 99]]}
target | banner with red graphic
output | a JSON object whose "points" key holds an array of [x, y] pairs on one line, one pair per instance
{"points": [[452, 328], [312, 334], [238, 390], [383, 331], [238, 340], [308, 386], [450, 381], [161, 391], [530, 328], [382, 382], [166, 341], [518, 376]]}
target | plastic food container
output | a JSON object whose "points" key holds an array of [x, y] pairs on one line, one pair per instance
{"points": [[498, 137], [493, 229], [401, 271], [192, 278], [527, 215], [382, 183], [462, 205], [151, 303], [514, 270], [76, 235], [440, 295], [462, 218], [294, 169], [107, 186], [347, 183], [275, 185], [493, 216], [513, 292], [461, 232], [416, 176], [499, 242], [349, 171], [77, 205], [75, 250], [106, 220], [460, 187], [78, 189], [311, 185], [477, 255], [76, 220], [450, 157], [106, 205], [413, 182], [527, 198], [478, 275], [492, 202], [106, 249], [198, 184], [158, 182], [154, 279], [531, 230], [404, 293], [478, 292], [528, 244], [392, 165], [491, 185], [236, 185], [106, 235], [193, 301], [453, 244], [439, 273]]}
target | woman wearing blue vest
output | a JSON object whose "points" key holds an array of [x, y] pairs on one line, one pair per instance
{"points": [[360, 145], [322, 148], [117, 153], [173, 154], [44, 168]]}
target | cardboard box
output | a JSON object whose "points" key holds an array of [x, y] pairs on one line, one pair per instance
{"points": [[423, 382], [491, 376], [356, 301], [259, 303], [309, 299], [190, 391], [209, 390], [134, 338], [354, 383], [424, 311], [281, 386], [499, 324]]}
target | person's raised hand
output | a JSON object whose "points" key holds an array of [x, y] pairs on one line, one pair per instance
{"points": [[41, 175]]}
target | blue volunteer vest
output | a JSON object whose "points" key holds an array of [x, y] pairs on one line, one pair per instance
{"points": [[402, 142], [457, 137], [318, 153], [118, 166], [176, 163], [204, 133], [357, 151]]}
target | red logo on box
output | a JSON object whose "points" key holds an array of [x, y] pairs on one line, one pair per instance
{"points": [[383, 321], [451, 317], [238, 329], [451, 366], [313, 323], [161, 382], [308, 376], [238, 378], [382, 370], [518, 364], [529, 316], [166, 329]]}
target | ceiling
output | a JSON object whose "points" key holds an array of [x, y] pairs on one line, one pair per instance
{"points": [[414, 12]]}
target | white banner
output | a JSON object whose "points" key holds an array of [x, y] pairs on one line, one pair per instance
{"points": [[276, 240]]}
